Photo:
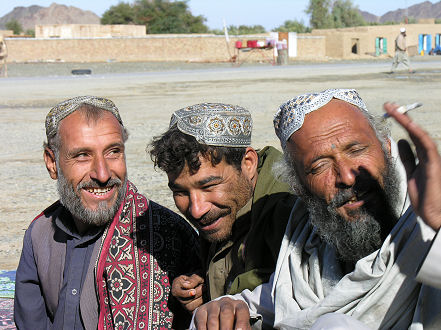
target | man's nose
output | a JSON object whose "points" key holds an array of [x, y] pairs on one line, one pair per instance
{"points": [[198, 205], [346, 173], [100, 170]]}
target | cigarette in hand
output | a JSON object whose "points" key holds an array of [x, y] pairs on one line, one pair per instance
{"points": [[405, 108]]}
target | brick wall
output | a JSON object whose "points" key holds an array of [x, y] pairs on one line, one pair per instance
{"points": [[311, 47], [88, 31], [194, 48], [118, 49], [339, 41], [6, 33], [334, 43]]}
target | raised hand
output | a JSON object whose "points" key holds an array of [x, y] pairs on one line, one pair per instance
{"points": [[424, 176]]}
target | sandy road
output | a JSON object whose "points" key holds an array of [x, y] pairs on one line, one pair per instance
{"points": [[146, 101]]}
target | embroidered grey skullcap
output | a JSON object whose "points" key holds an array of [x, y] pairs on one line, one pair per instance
{"points": [[65, 108], [291, 114], [215, 124]]}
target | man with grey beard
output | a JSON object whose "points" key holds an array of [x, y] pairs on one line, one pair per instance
{"points": [[355, 241], [352, 240], [103, 255]]}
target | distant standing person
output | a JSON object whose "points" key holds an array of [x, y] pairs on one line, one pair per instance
{"points": [[401, 52], [3, 56]]}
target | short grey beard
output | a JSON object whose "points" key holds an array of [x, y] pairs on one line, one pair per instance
{"points": [[99, 217], [352, 240]]}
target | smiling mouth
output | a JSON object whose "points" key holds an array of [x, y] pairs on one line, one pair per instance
{"points": [[351, 201], [209, 220], [357, 197], [99, 191], [208, 223]]}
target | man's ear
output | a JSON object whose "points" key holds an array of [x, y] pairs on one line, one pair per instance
{"points": [[249, 164], [51, 164]]}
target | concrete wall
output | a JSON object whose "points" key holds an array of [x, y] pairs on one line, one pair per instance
{"points": [[311, 47], [88, 31], [6, 33], [117, 49], [339, 41], [153, 48], [318, 45], [195, 48]]}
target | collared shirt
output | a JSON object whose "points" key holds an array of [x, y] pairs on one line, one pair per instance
{"points": [[78, 257], [78, 252]]}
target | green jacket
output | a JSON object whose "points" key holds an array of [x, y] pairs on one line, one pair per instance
{"points": [[249, 257]]}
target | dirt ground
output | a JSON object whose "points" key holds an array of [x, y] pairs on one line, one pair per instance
{"points": [[147, 94]]}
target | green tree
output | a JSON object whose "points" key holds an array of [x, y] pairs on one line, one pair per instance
{"points": [[245, 29], [122, 13], [218, 31], [162, 16], [320, 15], [328, 14], [15, 26], [30, 32], [241, 29], [344, 14], [383, 23], [159, 16], [293, 26]]}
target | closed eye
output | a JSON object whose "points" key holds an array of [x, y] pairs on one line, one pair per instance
{"points": [[209, 186], [318, 168], [355, 150]]}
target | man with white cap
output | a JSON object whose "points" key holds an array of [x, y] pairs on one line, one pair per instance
{"points": [[103, 256], [354, 243], [401, 52], [226, 189]]}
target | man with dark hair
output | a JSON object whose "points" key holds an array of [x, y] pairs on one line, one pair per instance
{"points": [[354, 243], [228, 192], [103, 256]]}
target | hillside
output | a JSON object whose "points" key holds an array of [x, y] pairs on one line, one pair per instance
{"points": [[54, 14], [62, 14], [424, 9]]}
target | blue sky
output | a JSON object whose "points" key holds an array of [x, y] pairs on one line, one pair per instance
{"points": [[269, 13]]}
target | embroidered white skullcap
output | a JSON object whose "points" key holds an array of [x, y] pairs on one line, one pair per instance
{"points": [[291, 114], [403, 29], [65, 108], [215, 124]]}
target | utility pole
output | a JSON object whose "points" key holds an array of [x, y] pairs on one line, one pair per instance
{"points": [[406, 11]]}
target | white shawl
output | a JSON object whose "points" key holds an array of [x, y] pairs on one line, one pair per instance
{"points": [[381, 291]]}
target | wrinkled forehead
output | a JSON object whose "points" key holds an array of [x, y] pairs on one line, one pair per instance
{"points": [[291, 114], [67, 107], [334, 122]]}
